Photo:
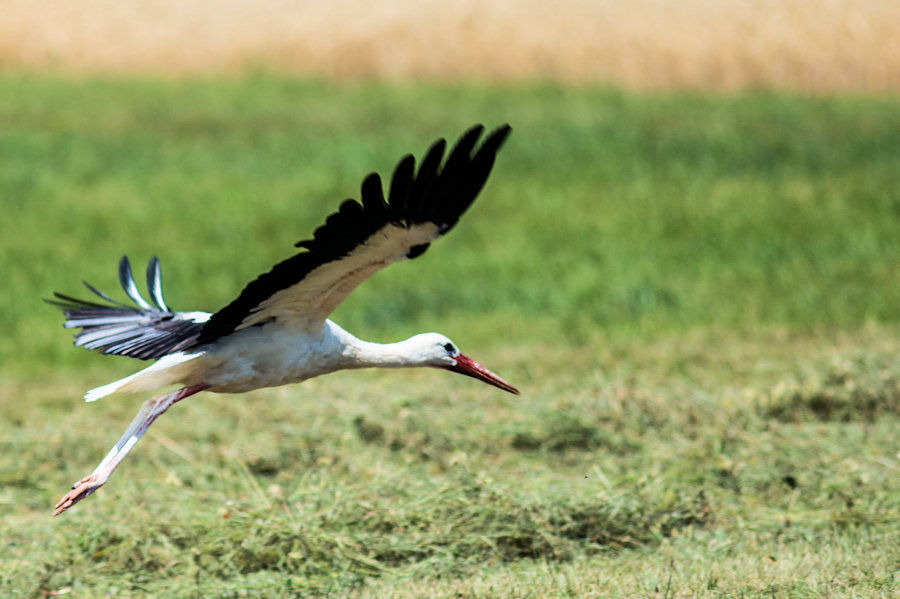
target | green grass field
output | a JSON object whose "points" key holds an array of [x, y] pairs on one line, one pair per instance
{"points": [[699, 297]]}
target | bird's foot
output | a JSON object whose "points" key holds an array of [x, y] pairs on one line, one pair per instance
{"points": [[80, 490]]}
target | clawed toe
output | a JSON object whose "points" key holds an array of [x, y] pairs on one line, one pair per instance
{"points": [[80, 490]]}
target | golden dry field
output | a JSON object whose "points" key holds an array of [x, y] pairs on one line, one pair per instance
{"points": [[819, 46]]}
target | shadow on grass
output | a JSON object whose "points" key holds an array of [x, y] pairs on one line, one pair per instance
{"points": [[558, 432], [849, 389]]}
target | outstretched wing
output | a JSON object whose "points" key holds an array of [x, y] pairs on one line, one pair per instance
{"points": [[360, 239], [145, 332]]}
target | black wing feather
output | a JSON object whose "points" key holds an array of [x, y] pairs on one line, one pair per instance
{"points": [[154, 284], [426, 180], [126, 278], [437, 195], [142, 332], [401, 184], [373, 199]]}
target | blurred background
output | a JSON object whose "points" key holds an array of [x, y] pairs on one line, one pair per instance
{"points": [[687, 257], [830, 45]]}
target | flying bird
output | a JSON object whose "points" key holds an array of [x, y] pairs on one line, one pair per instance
{"points": [[277, 331]]}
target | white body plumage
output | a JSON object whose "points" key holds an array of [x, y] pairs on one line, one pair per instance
{"points": [[272, 355]]}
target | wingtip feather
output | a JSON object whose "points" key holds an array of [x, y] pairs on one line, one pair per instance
{"points": [[126, 278], [154, 283]]}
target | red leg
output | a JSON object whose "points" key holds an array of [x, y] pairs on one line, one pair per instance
{"points": [[149, 412]]}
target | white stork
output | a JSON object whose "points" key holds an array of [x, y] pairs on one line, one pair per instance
{"points": [[277, 331]]}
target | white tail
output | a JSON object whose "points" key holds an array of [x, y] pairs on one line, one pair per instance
{"points": [[167, 370]]}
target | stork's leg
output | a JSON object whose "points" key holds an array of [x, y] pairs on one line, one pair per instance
{"points": [[150, 411]]}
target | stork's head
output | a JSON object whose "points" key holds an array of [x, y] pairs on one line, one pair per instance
{"points": [[438, 351]]}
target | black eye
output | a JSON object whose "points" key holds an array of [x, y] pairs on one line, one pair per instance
{"points": [[449, 347]]}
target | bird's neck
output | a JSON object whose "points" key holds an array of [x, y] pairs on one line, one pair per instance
{"points": [[365, 354]]}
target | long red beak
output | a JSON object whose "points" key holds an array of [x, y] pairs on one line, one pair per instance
{"points": [[469, 367]]}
